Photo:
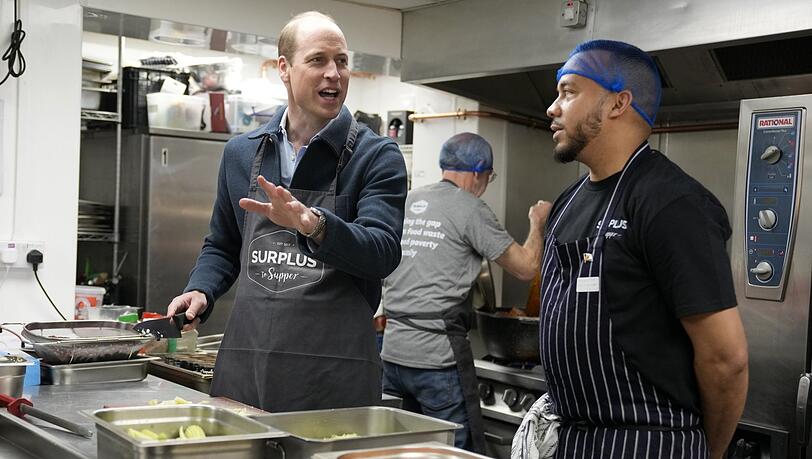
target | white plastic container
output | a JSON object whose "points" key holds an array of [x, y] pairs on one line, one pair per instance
{"points": [[91, 100], [175, 111], [88, 301]]}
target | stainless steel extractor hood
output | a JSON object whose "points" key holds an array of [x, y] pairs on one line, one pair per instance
{"points": [[710, 54]]}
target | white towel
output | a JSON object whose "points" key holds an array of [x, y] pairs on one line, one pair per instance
{"points": [[537, 437]]}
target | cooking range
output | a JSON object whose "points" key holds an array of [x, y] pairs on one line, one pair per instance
{"points": [[194, 370], [506, 391]]}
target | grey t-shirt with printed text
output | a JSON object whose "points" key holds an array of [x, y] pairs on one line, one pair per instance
{"points": [[446, 232]]}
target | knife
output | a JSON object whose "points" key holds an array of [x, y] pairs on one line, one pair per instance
{"points": [[165, 327]]}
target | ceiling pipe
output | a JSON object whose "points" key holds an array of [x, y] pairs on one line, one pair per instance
{"points": [[535, 123], [538, 123]]}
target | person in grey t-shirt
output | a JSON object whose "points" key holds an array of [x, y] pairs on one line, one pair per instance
{"points": [[447, 230]]}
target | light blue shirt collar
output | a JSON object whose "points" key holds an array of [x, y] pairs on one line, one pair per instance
{"points": [[290, 157]]}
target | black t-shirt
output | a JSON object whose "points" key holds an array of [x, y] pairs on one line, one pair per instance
{"points": [[664, 259]]}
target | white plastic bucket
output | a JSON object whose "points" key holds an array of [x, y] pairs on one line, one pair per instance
{"points": [[88, 301]]}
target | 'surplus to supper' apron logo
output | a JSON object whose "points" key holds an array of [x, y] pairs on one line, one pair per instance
{"points": [[615, 229], [276, 264]]}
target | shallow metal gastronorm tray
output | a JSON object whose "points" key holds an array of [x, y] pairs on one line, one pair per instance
{"points": [[421, 450], [19, 439], [113, 371], [314, 432], [230, 435], [80, 341]]}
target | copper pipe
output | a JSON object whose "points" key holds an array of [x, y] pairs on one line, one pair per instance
{"points": [[537, 123], [695, 127], [534, 123]]}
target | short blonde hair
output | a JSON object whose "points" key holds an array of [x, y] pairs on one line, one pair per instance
{"points": [[287, 39]]}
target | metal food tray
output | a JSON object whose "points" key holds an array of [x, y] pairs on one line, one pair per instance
{"points": [[20, 439], [431, 450], [229, 435], [113, 371], [191, 379], [81, 341], [313, 432]]}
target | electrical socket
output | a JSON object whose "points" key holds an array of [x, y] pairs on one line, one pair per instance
{"points": [[22, 247]]}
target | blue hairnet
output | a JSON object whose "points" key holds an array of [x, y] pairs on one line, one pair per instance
{"points": [[466, 152], [617, 66]]}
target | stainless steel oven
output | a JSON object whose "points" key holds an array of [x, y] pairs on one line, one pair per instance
{"points": [[506, 391], [772, 266]]}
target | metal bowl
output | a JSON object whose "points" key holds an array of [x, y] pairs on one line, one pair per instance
{"points": [[12, 375]]}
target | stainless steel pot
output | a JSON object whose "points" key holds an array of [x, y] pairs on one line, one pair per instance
{"points": [[12, 375], [515, 339]]}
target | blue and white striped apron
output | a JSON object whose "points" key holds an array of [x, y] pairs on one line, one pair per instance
{"points": [[610, 410]]}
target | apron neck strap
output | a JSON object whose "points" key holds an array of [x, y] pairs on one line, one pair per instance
{"points": [[620, 187], [346, 151], [256, 166]]}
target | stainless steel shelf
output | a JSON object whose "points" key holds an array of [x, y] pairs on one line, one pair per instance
{"points": [[110, 90], [96, 237], [96, 115]]}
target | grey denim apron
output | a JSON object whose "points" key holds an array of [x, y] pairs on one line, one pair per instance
{"points": [[458, 321], [300, 335]]}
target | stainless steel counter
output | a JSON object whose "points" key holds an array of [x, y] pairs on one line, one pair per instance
{"points": [[70, 400]]}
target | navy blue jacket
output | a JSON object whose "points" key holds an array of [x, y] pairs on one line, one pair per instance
{"points": [[363, 235]]}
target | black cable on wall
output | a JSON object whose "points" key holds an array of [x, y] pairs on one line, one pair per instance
{"points": [[14, 56]]}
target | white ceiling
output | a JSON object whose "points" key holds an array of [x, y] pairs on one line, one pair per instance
{"points": [[397, 4]]}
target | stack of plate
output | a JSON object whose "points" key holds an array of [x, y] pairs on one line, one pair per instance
{"points": [[95, 219]]}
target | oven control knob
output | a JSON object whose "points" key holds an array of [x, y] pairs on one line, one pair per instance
{"points": [[763, 271], [767, 219], [486, 393], [511, 399], [527, 401], [771, 154]]}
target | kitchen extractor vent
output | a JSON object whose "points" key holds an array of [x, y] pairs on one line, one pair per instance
{"points": [[665, 82], [777, 58]]}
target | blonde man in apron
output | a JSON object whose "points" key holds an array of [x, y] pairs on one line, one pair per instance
{"points": [[308, 216]]}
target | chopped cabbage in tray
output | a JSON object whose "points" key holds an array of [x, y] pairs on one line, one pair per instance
{"points": [[191, 432], [175, 401]]}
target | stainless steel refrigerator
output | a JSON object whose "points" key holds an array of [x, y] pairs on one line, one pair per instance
{"points": [[168, 187]]}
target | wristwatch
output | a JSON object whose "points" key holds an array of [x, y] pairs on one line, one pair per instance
{"points": [[320, 225]]}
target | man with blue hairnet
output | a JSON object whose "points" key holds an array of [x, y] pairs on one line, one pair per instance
{"points": [[447, 231], [641, 342]]}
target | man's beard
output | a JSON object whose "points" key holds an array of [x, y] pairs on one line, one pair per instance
{"points": [[583, 133]]}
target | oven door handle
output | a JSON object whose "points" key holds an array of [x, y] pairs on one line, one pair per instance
{"points": [[803, 414], [498, 439]]}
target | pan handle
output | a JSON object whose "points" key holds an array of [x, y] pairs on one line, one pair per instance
{"points": [[23, 342], [277, 446]]}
